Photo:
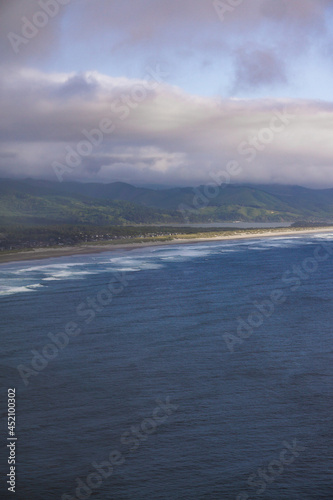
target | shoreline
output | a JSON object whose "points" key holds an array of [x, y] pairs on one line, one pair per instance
{"points": [[86, 249]]}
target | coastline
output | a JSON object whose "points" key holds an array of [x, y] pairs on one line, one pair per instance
{"points": [[84, 249]]}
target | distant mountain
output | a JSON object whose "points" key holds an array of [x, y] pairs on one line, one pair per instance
{"points": [[46, 202]]}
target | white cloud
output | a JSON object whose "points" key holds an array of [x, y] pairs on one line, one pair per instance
{"points": [[168, 137]]}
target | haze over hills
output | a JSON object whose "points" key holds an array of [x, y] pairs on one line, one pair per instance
{"points": [[32, 201]]}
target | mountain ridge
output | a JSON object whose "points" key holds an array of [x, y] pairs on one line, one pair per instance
{"points": [[24, 200]]}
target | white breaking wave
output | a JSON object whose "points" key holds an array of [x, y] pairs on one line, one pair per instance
{"points": [[61, 275], [127, 269], [11, 290], [45, 268], [324, 236], [16, 277]]}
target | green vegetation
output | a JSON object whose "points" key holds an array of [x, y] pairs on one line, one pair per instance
{"points": [[43, 202], [25, 237], [42, 213]]}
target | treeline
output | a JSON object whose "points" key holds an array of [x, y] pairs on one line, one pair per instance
{"points": [[22, 236], [310, 224], [28, 209]]}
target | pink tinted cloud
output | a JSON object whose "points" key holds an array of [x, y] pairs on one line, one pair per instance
{"points": [[170, 137]]}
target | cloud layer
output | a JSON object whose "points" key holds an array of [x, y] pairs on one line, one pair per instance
{"points": [[166, 92], [139, 131], [265, 33]]}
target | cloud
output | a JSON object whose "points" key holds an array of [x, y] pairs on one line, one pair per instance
{"points": [[78, 86], [8, 154], [159, 133], [162, 133], [130, 33], [29, 31], [257, 68]]}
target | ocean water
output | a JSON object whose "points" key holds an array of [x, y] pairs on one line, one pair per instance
{"points": [[185, 372]]}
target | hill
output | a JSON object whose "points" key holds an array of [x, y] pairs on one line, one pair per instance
{"points": [[43, 202]]}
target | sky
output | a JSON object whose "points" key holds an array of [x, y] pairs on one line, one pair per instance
{"points": [[167, 92]]}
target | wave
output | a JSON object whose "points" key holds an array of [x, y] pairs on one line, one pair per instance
{"points": [[11, 290], [323, 236], [43, 268], [61, 275], [20, 277]]}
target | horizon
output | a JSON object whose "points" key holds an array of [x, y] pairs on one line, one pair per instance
{"points": [[168, 187]]}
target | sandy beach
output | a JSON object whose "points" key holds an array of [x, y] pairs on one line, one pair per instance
{"points": [[82, 249]]}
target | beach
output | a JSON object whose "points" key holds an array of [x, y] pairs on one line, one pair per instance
{"points": [[91, 248]]}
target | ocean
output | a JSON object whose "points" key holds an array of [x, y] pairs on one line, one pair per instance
{"points": [[198, 371]]}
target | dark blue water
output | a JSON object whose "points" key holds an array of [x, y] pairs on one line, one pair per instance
{"points": [[156, 379]]}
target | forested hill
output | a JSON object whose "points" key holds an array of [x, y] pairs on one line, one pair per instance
{"points": [[44, 202]]}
